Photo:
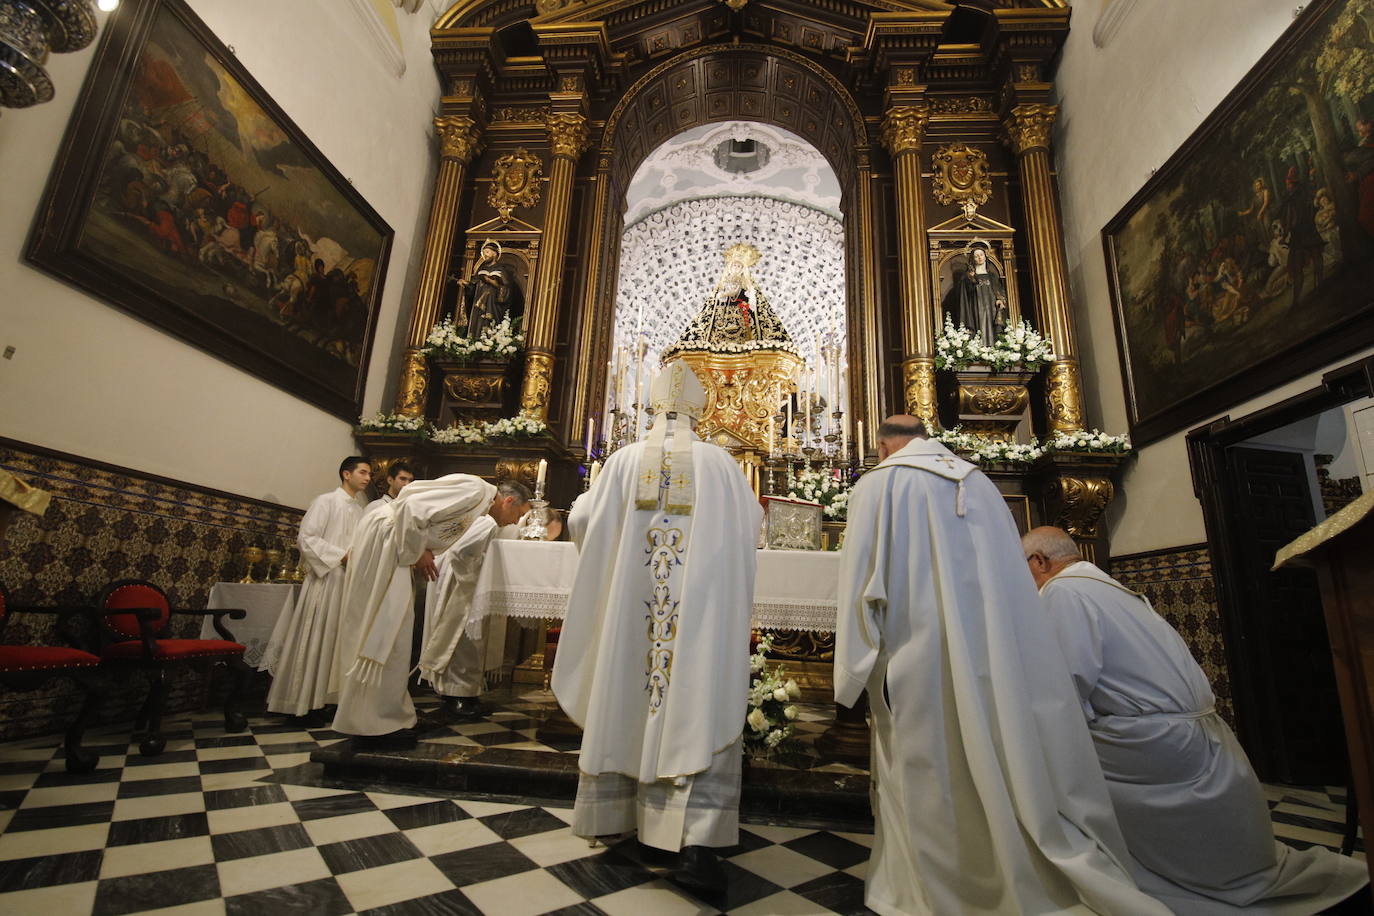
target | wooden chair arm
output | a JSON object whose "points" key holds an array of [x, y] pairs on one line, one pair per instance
{"points": [[233, 613]]}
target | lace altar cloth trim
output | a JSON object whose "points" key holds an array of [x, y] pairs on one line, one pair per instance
{"points": [[769, 613]]}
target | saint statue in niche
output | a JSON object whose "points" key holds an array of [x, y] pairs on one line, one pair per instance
{"points": [[491, 294], [981, 294]]}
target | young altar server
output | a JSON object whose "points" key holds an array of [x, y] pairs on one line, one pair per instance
{"points": [[653, 661], [398, 475], [379, 597], [454, 644], [1178, 778], [300, 654], [988, 797]]}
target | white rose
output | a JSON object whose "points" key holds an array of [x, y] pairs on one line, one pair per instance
{"points": [[757, 720], [792, 689], [780, 694], [790, 712]]}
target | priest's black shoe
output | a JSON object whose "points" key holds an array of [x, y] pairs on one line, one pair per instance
{"points": [[700, 873], [399, 740], [461, 709]]}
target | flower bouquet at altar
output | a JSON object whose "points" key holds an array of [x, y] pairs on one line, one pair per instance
{"points": [[499, 341], [826, 486], [771, 703], [1019, 348], [480, 433], [392, 424]]}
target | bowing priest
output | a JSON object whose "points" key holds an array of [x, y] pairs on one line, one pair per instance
{"points": [[1178, 778], [454, 642], [379, 598], [397, 476], [300, 653], [653, 660], [987, 794]]}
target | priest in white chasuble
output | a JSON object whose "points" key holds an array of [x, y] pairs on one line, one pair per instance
{"points": [[301, 653], [1193, 813], [379, 598], [454, 642], [653, 661], [987, 796]]}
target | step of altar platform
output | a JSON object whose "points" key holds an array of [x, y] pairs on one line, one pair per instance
{"points": [[512, 752]]}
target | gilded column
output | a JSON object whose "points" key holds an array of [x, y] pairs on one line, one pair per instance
{"points": [[902, 131], [1028, 132], [594, 358], [567, 141], [459, 140], [865, 348]]}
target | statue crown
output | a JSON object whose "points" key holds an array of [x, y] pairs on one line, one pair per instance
{"points": [[743, 253]]}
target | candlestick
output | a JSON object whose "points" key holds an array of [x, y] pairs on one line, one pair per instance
{"points": [[543, 469]]}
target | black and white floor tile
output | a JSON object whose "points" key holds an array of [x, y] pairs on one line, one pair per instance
{"points": [[245, 824]]}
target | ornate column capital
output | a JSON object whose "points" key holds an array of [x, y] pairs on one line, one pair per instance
{"points": [[459, 137], [903, 128], [567, 134], [1028, 127]]}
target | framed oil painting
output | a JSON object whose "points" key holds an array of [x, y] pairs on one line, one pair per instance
{"points": [[183, 195], [1248, 258]]}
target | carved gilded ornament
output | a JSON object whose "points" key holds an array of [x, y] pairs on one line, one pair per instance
{"points": [[961, 176], [475, 389], [904, 127], [410, 396], [1029, 126], [1064, 394], [1079, 503], [515, 182], [534, 400], [969, 104], [1028, 73], [459, 137], [520, 115], [552, 6], [993, 399], [567, 134], [918, 375], [525, 471]]}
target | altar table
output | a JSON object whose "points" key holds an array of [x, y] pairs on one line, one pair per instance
{"points": [[794, 589], [264, 602]]}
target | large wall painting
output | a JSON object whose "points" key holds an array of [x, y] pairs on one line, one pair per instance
{"points": [[1248, 258], [185, 196]]}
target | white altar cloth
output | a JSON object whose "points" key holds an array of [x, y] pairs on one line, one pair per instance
{"points": [[264, 602], [794, 589]]}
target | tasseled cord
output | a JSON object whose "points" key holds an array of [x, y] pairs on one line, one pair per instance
{"points": [[959, 500], [366, 672]]}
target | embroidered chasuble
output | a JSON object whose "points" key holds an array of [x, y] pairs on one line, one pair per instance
{"points": [[301, 652], [653, 657], [1178, 778], [987, 793]]}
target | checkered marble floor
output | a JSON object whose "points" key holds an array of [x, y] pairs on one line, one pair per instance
{"points": [[246, 824]]}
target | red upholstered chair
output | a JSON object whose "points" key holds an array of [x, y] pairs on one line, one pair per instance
{"points": [[29, 667], [135, 613]]}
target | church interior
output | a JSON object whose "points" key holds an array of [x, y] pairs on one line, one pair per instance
{"points": [[1113, 256]]}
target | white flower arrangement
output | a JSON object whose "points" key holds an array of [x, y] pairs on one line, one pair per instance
{"points": [[479, 433], [1090, 441], [392, 423], [501, 340], [746, 346], [827, 487], [1020, 347], [986, 450], [771, 703]]}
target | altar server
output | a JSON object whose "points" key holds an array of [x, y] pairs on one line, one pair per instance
{"points": [[988, 797], [1178, 778], [300, 654], [653, 661], [379, 597], [454, 643], [398, 474]]}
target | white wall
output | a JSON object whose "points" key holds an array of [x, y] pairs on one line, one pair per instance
{"points": [[1124, 109], [89, 379]]}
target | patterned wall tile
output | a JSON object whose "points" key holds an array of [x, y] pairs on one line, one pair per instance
{"points": [[1178, 581], [108, 523]]}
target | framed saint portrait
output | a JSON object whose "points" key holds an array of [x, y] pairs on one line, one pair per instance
{"points": [[185, 196], [1247, 260]]}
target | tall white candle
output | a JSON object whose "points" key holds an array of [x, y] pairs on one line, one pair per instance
{"points": [[591, 430], [790, 431], [543, 469], [844, 442], [770, 435], [596, 469], [859, 442]]}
